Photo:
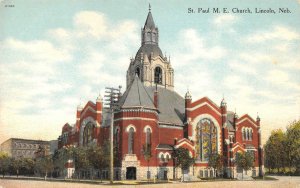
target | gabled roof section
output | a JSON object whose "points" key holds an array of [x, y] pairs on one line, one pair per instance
{"points": [[149, 21], [246, 117], [89, 103], [198, 103], [136, 96]]}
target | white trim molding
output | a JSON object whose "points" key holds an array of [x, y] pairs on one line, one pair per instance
{"points": [[203, 104], [146, 127], [129, 126]]}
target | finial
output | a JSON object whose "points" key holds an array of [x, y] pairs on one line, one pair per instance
{"points": [[99, 98], [188, 94], [149, 7]]}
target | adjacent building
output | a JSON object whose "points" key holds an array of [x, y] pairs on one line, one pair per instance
{"points": [[26, 148], [151, 113]]}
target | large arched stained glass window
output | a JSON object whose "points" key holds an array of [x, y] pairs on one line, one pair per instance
{"points": [[130, 140], [207, 138], [158, 75], [88, 133]]}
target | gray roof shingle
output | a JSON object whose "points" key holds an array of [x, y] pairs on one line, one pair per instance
{"points": [[170, 105], [136, 95]]}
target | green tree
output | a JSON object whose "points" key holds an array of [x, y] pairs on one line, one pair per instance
{"points": [[147, 155], [275, 150], [16, 164], [98, 158], [182, 159], [44, 165], [244, 161], [81, 160], [5, 161], [216, 161], [293, 145]]}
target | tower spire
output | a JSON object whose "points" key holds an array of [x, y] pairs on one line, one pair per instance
{"points": [[149, 7]]}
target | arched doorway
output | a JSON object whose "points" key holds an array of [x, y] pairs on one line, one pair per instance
{"points": [[131, 173]]}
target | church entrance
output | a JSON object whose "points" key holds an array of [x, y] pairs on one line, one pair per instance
{"points": [[131, 173]]}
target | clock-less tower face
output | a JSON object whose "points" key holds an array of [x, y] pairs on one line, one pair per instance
{"points": [[149, 63]]}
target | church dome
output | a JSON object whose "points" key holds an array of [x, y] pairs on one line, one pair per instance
{"points": [[148, 49]]}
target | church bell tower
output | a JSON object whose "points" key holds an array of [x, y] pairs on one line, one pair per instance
{"points": [[151, 66]]}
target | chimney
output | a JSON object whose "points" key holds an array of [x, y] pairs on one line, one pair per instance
{"points": [[156, 97]]}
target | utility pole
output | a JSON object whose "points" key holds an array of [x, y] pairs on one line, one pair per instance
{"points": [[111, 98]]}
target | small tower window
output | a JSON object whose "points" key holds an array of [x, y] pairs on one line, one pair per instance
{"points": [[158, 75], [130, 140], [137, 71]]}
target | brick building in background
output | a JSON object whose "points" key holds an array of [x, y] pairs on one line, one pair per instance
{"points": [[151, 112]]}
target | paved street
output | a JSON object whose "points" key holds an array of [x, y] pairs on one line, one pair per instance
{"points": [[286, 182]]}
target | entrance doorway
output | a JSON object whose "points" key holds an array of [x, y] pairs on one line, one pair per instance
{"points": [[131, 173]]}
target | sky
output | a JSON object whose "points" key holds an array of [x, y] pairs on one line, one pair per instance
{"points": [[55, 55]]}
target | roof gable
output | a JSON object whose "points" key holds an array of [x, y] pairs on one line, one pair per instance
{"points": [[136, 96], [205, 101], [246, 117]]}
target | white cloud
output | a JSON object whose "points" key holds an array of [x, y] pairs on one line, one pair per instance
{"points": [[277, 77], [37, 77], [90, 24], [224, 20], [276, 33], [242, 67], [192, 48]]}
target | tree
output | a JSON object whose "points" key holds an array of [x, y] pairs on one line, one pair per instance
{"points": [[244, 161], [216, 161], [98, 158], [275, 150], [44, 165], [182, 159], [147, 155], [16, 164], [4, 162], [293, 145], [81, 160]]}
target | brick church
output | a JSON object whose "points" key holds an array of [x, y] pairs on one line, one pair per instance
{"points": [[150, 112]]}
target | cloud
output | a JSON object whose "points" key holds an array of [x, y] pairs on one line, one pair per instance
{"points": [[192, 47], [45, 78], [224, 20], [276, 33], [242, 67], [90, 24]]}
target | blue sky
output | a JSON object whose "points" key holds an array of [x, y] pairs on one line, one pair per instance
{"points": [[57, 54]]}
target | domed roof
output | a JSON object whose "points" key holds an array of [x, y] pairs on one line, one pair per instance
{"points": [[148, 49]]}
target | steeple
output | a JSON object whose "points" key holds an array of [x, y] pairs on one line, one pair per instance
{"points": [[149, 21], [150, 31], [150, 64]]}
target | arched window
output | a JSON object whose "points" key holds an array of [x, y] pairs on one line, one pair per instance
{"points": [[250, 134], [167, 157], [88, 133], [207, 139], [137, 71], [158, 75], [162, 157], [130, 140], [244, 133], [117, 137], [148, 137]]}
